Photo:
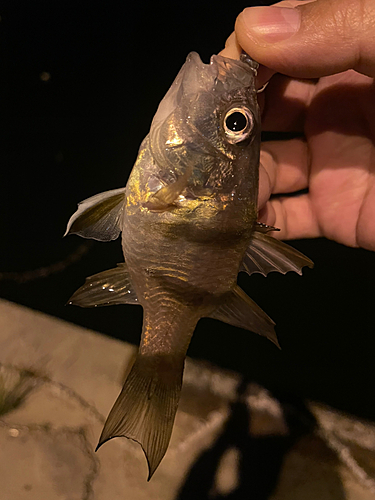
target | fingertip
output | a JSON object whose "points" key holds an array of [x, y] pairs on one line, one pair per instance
{"points": [[231, 42], [232, 48]]}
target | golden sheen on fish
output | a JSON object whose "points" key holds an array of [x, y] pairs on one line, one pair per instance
{"points": [[188, 221]]}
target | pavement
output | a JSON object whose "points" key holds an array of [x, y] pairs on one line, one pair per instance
{"points": [[231, 439]]}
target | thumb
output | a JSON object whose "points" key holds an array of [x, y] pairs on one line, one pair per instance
{"points": [[311, 40]]}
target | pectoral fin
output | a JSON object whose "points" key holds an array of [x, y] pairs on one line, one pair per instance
{"points": [[99, 217], [266, 254], [239, 310], [166, 197], [106, 288]]}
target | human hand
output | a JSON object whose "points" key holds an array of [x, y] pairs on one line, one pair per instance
{"points": [[331, 46]]}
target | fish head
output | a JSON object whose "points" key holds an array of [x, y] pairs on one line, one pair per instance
{"points": [[209, 122]]}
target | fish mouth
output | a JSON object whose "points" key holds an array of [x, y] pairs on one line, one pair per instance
{"points": [[245, 58]]}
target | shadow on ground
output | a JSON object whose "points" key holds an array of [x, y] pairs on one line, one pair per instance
{"points": [[260, 458]]}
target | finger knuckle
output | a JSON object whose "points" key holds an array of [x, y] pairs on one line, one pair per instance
{"points": [[353, 16]]}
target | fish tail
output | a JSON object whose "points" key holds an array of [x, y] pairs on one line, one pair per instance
{"points": [[146, 407]]}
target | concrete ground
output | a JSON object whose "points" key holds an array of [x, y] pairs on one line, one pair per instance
{"points": [[231, 440]]}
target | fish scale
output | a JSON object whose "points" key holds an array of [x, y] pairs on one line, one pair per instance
{"points": [[188, 221]]}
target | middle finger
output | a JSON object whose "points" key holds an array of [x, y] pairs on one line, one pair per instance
{"points": [[286, 103]]}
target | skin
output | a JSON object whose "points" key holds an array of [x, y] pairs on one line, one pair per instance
{"points": [[327, 96]]}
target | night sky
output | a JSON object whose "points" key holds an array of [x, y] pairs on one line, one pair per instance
{"points": [[79, 86]]}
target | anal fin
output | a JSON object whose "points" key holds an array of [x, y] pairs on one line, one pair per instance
{"points": [[106, 288], [146, 407], [239, 310]]}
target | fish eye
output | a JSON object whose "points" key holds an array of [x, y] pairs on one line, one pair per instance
{"points": [[238, 124]]}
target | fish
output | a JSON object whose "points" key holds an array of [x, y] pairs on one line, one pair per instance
{"points": [[188, 220]]}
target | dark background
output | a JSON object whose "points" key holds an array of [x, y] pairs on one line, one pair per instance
{"points": [[78, 133]]}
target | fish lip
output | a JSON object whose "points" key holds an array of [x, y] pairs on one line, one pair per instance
{"points": [[245, 58]]}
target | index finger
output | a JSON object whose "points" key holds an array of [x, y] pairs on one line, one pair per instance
{"points": [[233, 50], [285, 103]]}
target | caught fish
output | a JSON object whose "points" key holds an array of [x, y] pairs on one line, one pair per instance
{"points": [[188, 217]]}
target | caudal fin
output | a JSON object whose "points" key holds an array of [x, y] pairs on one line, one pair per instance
{"points": [[146, 407]]}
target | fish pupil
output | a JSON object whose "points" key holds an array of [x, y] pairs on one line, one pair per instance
{"points": [[236, 121]]}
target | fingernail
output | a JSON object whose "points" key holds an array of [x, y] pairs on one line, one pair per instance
{"points": [[271, 24]]}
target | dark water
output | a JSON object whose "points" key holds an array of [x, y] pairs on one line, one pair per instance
{"points": [[80, 83]]}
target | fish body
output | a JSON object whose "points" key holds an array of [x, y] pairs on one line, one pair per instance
{"points": [[188, 221]]}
